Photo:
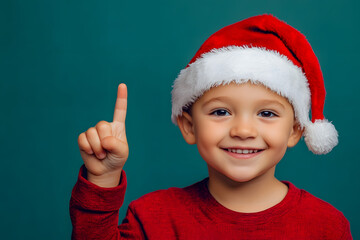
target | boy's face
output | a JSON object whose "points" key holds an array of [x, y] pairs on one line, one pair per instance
{"points": [[241, 130]]}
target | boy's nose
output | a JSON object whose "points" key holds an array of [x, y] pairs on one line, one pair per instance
{"points": [[243, 128]]}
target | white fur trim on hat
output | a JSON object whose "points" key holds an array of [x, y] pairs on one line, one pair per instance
{"points": [[242, 64], [321, 136]]}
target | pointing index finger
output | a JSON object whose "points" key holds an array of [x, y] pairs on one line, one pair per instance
{"points": [[121, 104]]}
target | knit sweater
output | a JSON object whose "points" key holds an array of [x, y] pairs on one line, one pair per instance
{"points": [[193, 213]]}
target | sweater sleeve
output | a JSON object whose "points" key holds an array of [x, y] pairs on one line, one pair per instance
{"points": [[94, 211]]}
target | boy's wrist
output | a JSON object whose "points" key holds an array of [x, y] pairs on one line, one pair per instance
{"points": [[107, 180]]}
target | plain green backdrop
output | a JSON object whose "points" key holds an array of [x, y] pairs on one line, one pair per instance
{"points": [[61, 63]]}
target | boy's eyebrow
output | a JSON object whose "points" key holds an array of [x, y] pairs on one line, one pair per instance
{"points": [[273, 102], [224, 98]]}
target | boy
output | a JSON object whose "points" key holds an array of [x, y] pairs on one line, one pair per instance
{"points": [[243, 99]]}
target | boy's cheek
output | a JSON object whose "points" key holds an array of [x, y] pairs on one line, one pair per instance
{"points": [[279, 131], [276, 139], [210, 131]]}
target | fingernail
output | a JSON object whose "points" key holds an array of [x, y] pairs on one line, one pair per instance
{"points": [[102, 155]]}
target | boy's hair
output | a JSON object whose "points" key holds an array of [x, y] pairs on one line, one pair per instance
{"points": [[263, 50], [187, 109]]}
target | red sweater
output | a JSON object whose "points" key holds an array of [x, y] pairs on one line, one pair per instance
{"points": [[192, 213]]}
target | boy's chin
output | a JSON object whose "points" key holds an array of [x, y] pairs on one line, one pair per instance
{"points": [[241, 179], [238, 178]]}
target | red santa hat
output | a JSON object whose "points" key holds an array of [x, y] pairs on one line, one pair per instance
{"points": [[263, 50]]}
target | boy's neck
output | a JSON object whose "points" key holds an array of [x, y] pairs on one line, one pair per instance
{"points": [[255, 195]]}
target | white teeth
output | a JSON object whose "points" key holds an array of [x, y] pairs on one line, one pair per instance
{"points": [[245, 151]]}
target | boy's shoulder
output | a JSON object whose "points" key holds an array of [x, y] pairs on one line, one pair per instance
{"points": [[317, 204], [318, 209]]}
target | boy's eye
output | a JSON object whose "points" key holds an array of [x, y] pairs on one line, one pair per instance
{"points": [[267, 114], [220, 112]]}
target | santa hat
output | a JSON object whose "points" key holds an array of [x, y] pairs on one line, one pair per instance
{"points": [[261, 49]]}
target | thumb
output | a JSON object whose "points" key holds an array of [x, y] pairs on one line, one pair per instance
{"points": [[115, 146]]}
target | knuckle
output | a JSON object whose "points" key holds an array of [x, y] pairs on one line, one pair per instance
{"points": [[93, 138], [83, 143], [82, 140], [91, 131], [81, 137], [102, 125]]}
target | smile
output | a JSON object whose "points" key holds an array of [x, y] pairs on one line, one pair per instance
{"points": [[243, 153]]}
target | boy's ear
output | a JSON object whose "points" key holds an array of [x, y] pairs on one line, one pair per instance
{"points": [[295, 135], [185, 123]]}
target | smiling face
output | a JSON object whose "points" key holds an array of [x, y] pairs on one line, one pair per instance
{"points": [[241, 130]]}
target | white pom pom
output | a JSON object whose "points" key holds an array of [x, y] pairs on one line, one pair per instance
{"points": [[321, 136]]}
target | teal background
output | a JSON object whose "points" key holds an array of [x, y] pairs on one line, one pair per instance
{"points": [[61, 63]]}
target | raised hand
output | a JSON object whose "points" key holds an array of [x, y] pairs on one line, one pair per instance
{"points": [[104, 148]]}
